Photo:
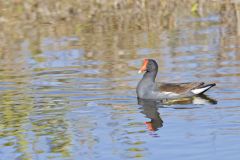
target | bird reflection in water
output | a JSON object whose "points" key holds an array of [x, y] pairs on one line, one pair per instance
{"points": [[150, 108]]}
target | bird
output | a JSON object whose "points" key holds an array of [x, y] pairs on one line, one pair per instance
{"points": [[148, 88]]}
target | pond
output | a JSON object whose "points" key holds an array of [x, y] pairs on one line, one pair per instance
{"points": [[68, 87]]}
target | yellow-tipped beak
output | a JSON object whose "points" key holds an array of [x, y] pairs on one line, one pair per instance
{"points": [[144, 66]]}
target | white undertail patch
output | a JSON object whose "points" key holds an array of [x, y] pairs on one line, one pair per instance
{"points": [[200, 90]]}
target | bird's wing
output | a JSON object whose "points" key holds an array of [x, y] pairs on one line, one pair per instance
{"points": [[178, 88]]}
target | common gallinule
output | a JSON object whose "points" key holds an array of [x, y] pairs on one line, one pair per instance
{"points": [[147, 88]]}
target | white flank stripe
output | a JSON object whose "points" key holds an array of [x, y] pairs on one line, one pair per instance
{"points": [[200, 90], [170, 93]]}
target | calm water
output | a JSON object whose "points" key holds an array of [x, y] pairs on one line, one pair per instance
{"points": [[73, 96]]}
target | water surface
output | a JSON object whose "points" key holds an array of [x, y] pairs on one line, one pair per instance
{"points": [[68, 92]]}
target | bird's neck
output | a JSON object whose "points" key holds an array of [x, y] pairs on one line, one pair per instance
{"points": [[150, 76]]}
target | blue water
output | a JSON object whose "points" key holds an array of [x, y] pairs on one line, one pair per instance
{"points": [[74, 102]]}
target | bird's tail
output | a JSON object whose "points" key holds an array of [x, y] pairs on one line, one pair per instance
{"points": [[203, 88]]}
